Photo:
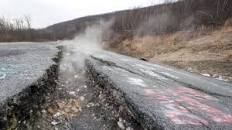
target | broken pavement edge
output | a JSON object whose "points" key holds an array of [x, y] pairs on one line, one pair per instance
{"points": [[22, 106]]}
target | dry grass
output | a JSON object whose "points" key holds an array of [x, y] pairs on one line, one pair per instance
{"points": [[228, 23], [205, 50], [150, 46]]}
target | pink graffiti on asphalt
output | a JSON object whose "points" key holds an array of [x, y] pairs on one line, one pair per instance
{"points": [[178, 102]]}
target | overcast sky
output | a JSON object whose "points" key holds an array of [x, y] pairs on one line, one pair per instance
{"points": [[47, 12]]}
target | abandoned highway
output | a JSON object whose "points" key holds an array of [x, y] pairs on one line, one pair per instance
{"points": [[142, 95]]}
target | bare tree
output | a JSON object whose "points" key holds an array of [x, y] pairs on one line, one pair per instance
{"points": [[28, 25]]}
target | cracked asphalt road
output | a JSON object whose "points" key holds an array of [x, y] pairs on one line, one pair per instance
{"points": [[158, 96], [21, 64], [80, 104], [163, 97]]}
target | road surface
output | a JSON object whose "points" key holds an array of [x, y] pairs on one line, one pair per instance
{"points": [[22, 64], [28, 72], [159, 97], [163, 97]]}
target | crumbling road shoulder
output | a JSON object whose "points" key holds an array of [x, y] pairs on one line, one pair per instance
{"points": [[31, 76]]}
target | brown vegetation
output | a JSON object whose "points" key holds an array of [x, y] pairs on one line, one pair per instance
{"points": [[190, 34], [19, 29], [201, 51], [15, 30], [154, 20], [172, 17]]}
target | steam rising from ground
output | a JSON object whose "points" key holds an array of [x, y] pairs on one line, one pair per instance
{"points": [[82, 45]]}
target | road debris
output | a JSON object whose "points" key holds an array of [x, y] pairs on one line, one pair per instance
{"points": [[2, 75], [82, 98], [207, 75], [121, 124], [75, 76], [73, 93], [54, 123]]}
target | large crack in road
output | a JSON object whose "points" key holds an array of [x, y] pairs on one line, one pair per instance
{"points": [[82, 104]]}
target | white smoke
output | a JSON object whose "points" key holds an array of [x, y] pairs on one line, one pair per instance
{"points": [[89, 42]]}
